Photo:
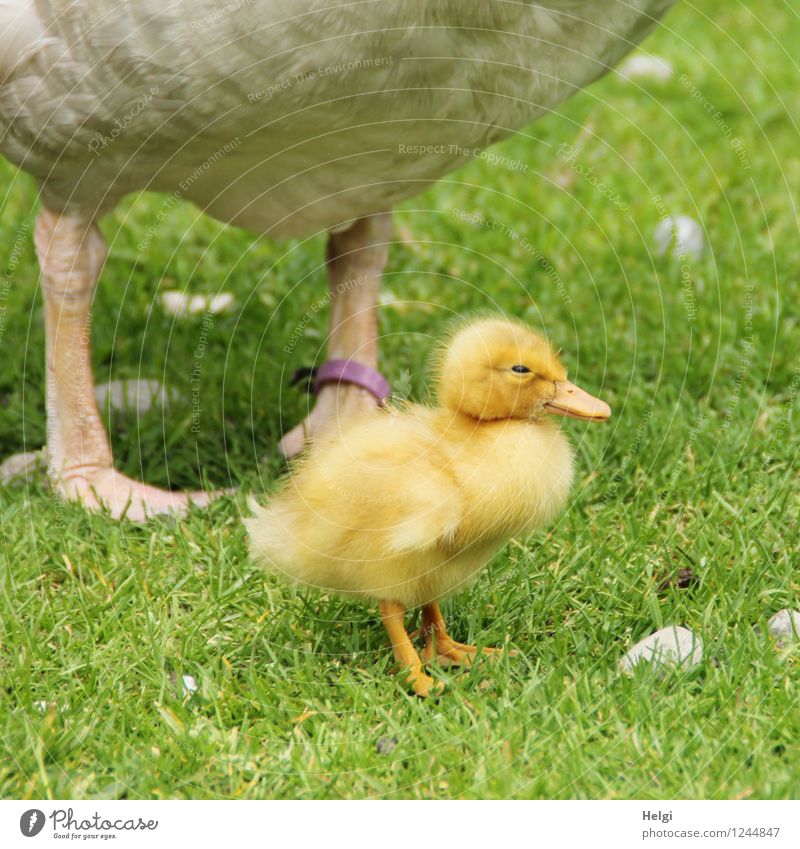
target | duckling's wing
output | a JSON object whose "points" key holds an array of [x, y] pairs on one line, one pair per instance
{"points": [[428, 514], [384, 490]]}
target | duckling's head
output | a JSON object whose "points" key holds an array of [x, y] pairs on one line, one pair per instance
{"points": [[500, 369]]}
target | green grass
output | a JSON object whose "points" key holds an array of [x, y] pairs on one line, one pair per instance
{"points": [[100, 620]]}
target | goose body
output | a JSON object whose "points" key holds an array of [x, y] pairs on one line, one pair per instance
{"points": [[288, 117]]}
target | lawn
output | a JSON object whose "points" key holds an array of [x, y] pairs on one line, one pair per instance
{"points": [[102, 620]]}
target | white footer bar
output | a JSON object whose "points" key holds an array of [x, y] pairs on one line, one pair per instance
{"points": [[401, 825]]}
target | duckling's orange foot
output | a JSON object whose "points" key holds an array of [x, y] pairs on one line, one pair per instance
{"points": [[448, 652], [423, 685], [439, 645]]}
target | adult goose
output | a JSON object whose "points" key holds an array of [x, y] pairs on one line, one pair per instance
{"points": [[286, 118]]}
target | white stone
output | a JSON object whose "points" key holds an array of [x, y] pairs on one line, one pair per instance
{"points": [[174, 303], [189, 685], [137, 396], [642, 66], [19, 467], [671, 646], [386, 745], [182, 303], [387, 298], [784, 626], [682, 234], [224, 302]]}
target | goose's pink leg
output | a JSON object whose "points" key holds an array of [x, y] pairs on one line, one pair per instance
{"points": [[356, 258], [71, 253]]}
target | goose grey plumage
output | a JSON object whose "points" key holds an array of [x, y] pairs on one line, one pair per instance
{"points": [[285, 118]]}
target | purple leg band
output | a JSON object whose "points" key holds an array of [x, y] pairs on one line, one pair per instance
{"points": [[349, 371]]}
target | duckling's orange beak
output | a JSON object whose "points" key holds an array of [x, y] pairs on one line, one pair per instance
{"points": [[570, 400]]}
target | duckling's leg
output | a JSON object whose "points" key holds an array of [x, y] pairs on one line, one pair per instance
{"points": [[392, 613], [71, 253], [355, 258], [440, 646]]}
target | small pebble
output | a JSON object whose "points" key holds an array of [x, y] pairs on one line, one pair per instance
{"points": [[682, 234], [682, 580], [182, 303], [224, 302], [386, 745], [387, 298], [189, 685], [784, 626], [641, 66], [671, 646], [19, 467], [135, 396]]}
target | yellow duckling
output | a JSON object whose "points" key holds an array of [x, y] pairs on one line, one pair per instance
{"points": [[405, 507]]}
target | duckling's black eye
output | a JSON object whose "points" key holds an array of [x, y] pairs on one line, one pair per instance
{"points": [[520, 369]]}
